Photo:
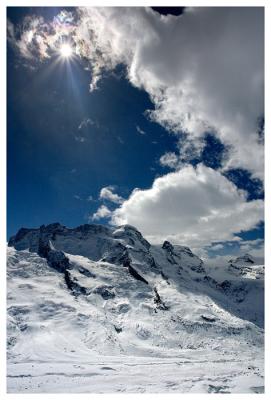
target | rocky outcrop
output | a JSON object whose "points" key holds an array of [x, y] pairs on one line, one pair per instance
{"points": [[73, 285], [158, 301], [181, 255], [107, 292], [246, 259], [132, 236], [55, 258], [136, 275], [169, 249]]}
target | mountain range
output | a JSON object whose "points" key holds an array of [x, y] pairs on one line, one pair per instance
{"points": [[99, 309]]}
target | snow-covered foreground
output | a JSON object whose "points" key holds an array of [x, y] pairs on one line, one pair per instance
{"points": [[97, 310], [191, 372]]}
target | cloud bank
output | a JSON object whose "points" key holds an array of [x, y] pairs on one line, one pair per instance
{"points": [[192, 206]]}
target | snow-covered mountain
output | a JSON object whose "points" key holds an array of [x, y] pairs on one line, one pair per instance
{"points": [[246, 265], [102, 302]]}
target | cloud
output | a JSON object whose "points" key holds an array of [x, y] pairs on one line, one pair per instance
{"points": [[36, 39], [216, 247], [80, 139], [85, 122], [169, 159], [106, 193], [120, 140], [257, 252], [203, 70], [192, 206], [253, 247], [102, 212], [139, 130]]}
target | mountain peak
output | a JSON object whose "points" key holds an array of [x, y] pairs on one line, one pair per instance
{"points": [[167, 246], [243, 259]]}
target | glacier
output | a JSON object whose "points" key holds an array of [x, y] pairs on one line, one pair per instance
{"points": [[99, 309]]}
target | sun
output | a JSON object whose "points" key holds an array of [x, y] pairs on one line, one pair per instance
{"points": [[66, 50]]}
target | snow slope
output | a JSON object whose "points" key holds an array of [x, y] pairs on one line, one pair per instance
{"points": [[94, 309]]}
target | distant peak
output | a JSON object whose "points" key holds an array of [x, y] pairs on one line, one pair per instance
{"points": [[246, 258], [167, 246], [52, 227]]}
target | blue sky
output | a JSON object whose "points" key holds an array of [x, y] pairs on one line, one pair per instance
{"points": [[67, 142]]}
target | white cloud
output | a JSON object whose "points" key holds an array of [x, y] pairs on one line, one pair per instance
{"points": [[253, 247], [106, 193], [102, 212], [139, 130], [222, 260], [203, 70], [169, 159], [216, 247], [192, 206]]}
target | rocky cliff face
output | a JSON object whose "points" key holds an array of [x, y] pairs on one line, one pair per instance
{"points": [[122, 246]]}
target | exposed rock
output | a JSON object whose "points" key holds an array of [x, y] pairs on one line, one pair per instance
{"points": [[165, 277], [183, 255], [107, 292], [55, 258], [118, 329], [225, 285], [242, 260], [86, 272], [208, 318], [198, 268], [131, 234], [158, 301], [212, 282], [168, 247], [73, 285], [136, 275]]}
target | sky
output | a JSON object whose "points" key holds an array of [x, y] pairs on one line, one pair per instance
{"points": [[156, 119]]}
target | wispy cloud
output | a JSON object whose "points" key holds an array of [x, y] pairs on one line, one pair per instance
{"points": [[139, 130], [120, 140], [85, 123], [102, 212], [169, 159], [80, 139], [107, 193]]}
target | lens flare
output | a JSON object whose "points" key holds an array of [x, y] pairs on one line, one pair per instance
{"points": [[66, 50]]}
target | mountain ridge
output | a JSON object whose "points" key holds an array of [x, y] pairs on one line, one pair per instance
{"points": [[94, 291]]}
